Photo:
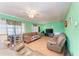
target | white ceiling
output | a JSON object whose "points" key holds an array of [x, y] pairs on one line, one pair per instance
{"points": [[47, 11]]}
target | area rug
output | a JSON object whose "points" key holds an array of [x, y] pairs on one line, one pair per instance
{"points": [[11, 52], [7, 52], [30, 52]]}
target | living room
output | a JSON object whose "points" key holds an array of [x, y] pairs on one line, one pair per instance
{"points": [[40, 29]]}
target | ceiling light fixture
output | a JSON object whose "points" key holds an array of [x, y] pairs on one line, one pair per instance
{"points": [[32, 13]]}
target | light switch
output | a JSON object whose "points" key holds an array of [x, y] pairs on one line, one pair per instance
{"points": [[76, 24]]}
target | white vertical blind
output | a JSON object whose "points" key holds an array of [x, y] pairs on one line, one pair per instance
{"points": [[3, 29], [3, 32], [23, 28]]}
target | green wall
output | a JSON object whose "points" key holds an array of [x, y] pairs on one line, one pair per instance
{"points": [[72, 31], [28, 24], [58, 26]]}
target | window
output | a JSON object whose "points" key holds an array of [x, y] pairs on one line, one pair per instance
{"points": [[3, 29], [23, 28], [10, 29], [14, 27], [35, 28], [18, 30]]}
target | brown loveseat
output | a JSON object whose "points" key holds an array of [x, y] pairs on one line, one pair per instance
{"points": [[29, 37]]}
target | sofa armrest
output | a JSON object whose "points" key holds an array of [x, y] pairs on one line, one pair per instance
{"points": [[52, 43], [27, 38], [62, 43]]}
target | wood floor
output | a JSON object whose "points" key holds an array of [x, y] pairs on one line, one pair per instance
{"points": [[40, 45]]}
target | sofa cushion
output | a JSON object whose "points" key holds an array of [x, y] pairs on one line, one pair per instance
{"points": [[52, 42], [28, 37], [35, 37]]}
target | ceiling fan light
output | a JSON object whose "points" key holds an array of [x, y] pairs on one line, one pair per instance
{"points": [[31, 16]]}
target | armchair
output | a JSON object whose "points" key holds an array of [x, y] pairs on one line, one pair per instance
{"points": [[56, 43]]}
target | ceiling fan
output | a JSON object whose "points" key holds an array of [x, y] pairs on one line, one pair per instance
{"points": [[31, 13]]}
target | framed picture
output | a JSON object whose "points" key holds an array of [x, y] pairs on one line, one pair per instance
{"points": [[65, 23]]}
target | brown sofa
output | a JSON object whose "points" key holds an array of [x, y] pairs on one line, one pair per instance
{"points": [[29, 37], [56, 43]]}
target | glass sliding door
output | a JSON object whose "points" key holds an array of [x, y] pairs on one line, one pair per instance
{"points": [[10, 31], [14, 31], [18, 33], [18, 30], [3, 32]]}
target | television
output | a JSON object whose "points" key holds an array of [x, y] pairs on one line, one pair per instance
{"points": [[49, 30]]}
